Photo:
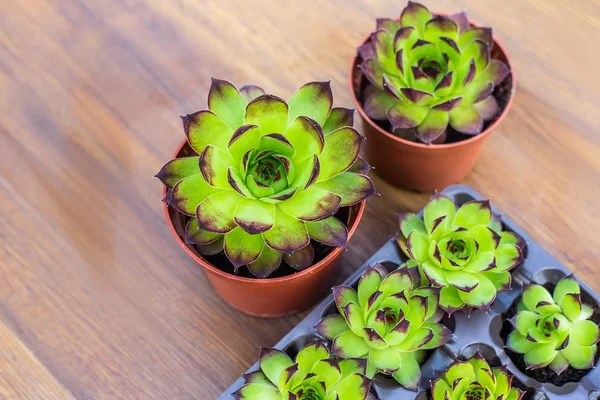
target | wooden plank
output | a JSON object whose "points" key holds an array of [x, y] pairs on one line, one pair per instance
{"points": [[104, 302], [23, 376]]}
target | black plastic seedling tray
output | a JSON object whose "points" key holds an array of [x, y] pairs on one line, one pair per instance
{"points": [[478, 332]]}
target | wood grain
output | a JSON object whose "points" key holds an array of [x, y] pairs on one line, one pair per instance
{"points": [[97, 300]]}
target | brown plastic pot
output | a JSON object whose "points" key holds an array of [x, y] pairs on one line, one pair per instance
{"points": [[270, 297], [418, 166]]}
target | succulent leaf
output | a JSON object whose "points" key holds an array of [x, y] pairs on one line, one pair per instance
{"points": [[275, 170], [338, 118], [250, 92], [203, 128], [226, 102], [301, 259], [266, 263], [459, 251], [313, 100], [551, 333], [430, 71], [390, 321], [185, 196], [175, 170]]}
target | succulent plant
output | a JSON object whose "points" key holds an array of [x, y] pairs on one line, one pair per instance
{"points": [[554, 330], [314, 375], [390, 320], [427, 71], [464, 251], [474, 380], [269, 175]]}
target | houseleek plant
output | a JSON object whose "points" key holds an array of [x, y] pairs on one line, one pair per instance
{"points": [[269, 175], [555, 329], [389, 320], [463, 251], [429, 71]]}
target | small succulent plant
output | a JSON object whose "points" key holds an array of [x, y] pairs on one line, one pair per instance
{"points": [[474, 380], [429, 71], [554, 330], [314, 375], [390, 320], [464, 251], [269, 175]]}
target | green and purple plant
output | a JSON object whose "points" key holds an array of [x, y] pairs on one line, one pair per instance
{"points": [[390, 321], [314, 375], [554, 330], [269, 175], [474, 380], [464, 252], [430, 71]]}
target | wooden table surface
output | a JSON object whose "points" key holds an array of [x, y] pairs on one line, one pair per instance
{"points": [[97, 300]]}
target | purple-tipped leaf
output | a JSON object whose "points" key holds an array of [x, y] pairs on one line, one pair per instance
{"points": [[306, 137], [488, 108], [301, 259], [403, 116], [331, 326], [484, 34], [268, 261], [226, 102], [179, 168], [461, 21], [189, 192], [250, 92], [496, 71], [352, 188], [366, 50], [269, 112], [440, 26], [373, 71], [416, 15], [241, 248], [433, 126], [329, 231], [466, 119], [341, 150], [287, 235], [404, 38], [338, 118], [388, 25], [195, 235], [377, 105], [312, 100], [203, 128], [344, 295]]}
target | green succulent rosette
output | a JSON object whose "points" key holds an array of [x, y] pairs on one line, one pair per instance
{"points": [[269, 175], [474, 380], [314, 375], [554, 330], [390, 321], [462, 251], [430, 71]]}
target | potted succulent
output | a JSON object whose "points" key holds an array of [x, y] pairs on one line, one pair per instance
{"points": [[463, 251], [474, 379], [313, 375], [553, 334], [430, 89], [390, 320], [264, 193]]}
